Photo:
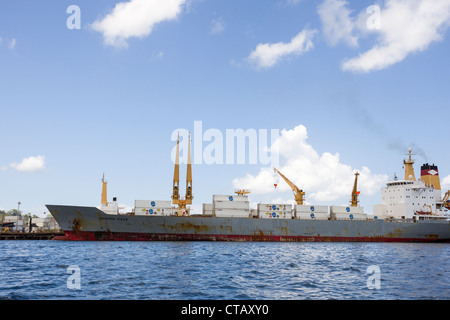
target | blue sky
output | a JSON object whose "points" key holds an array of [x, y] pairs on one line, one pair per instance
{"points": [[106, 98]]}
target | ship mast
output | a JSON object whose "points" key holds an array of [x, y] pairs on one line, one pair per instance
{"points": [[104, 192], [409, 170]]}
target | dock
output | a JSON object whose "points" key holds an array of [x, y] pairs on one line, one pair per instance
{"points": [[29, 236]]}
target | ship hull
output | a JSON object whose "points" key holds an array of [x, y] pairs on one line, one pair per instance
{"points": [[91, 224]]}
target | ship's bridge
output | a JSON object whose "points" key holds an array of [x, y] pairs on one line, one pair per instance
{"points": [[409, 183], [399, 183]]}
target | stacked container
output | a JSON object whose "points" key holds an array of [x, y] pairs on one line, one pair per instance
{"points": [[152, 207], [207, 209], [274, 211], [311, 212], [231, 206], [347, 213]]}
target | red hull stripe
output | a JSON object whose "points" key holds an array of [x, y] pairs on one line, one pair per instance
{"points": [[118, 236]]}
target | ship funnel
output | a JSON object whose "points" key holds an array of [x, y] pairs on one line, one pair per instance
{"points": [[430, 175]]}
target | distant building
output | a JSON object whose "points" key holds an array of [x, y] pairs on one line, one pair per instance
{"points": [[18, 224], [45, 224]]}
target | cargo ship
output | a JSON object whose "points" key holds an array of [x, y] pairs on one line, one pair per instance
{"points": [[411, 210]]}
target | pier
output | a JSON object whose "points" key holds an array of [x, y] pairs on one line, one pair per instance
{"points": [[29, 236]]}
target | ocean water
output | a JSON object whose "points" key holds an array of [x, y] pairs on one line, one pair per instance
{"points": [[223, 271]]}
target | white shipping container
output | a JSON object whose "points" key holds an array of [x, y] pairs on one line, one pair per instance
{"points": [[207, 206], [312, 215], [218, 204], [152, 211], [275, 215], [229, 198], [349, 209], [207, 212], [276, 212], [310, 209], [152, 203], [274, 207], [232, 213], [140, 211], [348, 216]]}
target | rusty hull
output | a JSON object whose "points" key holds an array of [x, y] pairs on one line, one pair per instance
{"points": [[90, 224]]}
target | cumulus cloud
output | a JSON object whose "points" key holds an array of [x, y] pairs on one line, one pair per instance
{"points": [[217, 26], [445, 185], [135, 19], [323, 177], [406, 27], [30, 164], [268, 54], [401, 28], [337, 24]]}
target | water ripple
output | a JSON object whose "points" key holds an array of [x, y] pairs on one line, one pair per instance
{"points": [[209, 270]]}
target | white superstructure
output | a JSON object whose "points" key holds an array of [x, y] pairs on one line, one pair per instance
{"points": [[410, 198], [402, 199]]}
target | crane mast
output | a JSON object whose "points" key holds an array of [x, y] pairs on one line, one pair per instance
{"points": [[355, 192], [298, 193], [189, 196], [176, 175], [176, 179]]}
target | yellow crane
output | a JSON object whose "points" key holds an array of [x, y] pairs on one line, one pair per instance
{"points": [[176, 178], [242, 192], [446, 200], [299, 195], [176, 175], [189, 195], [355, 192]]}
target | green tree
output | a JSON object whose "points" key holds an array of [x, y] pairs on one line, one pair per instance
{"points": [[3, 213], [15, 212]]}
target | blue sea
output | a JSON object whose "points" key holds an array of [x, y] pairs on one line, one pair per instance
{"points": [[58, 270]]}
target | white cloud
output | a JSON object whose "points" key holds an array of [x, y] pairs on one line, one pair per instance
{"points": [[337, 24], [217, 26], [12, 43], [135, 18], [406, 27], [268, 54], [30, 164], [293, 2], [323, 177], [157, 56], [445, 185]]}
